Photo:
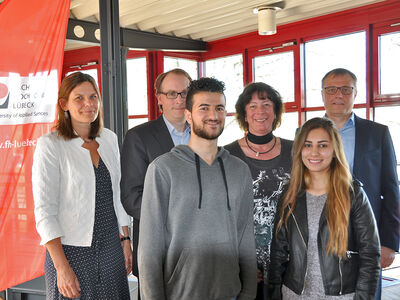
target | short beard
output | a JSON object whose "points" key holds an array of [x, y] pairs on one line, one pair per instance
{"points": [[201, 132]]}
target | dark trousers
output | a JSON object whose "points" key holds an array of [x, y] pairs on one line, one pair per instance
{"points": [[262, 291]]}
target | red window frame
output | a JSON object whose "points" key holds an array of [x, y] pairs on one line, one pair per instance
{"points": [[379, 29], [276, 48]]}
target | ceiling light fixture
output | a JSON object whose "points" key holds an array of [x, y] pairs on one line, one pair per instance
{"points": [[267, 17]]}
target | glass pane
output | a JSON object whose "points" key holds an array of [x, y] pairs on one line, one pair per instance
{"points": [[290, 122], [232, 132], [389, 56], [91, 72], [314, 114], [360, 112], [345, 51], [136, 122], [137, 86], [389, 116], [276, 70], [189, 65], [228, 69]]}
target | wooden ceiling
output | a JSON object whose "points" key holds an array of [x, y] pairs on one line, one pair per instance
{"points": [[206, 20]]}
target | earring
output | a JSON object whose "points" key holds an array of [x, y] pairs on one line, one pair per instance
{"points": [[66, 114]]}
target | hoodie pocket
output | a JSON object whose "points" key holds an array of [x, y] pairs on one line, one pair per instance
{"points": [[207, 272]]}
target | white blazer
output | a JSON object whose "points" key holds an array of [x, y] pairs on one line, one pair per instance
{"points": [[64, 187]]}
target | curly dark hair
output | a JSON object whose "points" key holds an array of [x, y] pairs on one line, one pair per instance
{"points": [[205, 84], [263, 91]]}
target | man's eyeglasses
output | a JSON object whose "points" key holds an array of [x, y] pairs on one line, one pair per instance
{"points": [[332, 90], [173, 95]]}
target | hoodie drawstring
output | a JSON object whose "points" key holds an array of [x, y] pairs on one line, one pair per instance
{"points": [[221, 165], [198, 178]]}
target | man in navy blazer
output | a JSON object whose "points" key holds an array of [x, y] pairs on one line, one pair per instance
{"points": [[369, 151], [144, 143]]}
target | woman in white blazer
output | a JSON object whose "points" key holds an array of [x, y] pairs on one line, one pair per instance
{"points": [[78, 212]]}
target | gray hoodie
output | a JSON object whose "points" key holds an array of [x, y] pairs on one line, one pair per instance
{"points": [[196, 236]]}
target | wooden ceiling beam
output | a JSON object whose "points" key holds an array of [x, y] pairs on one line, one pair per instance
{"points": [[208, 10], [309, 10], [154, 9], [83, 9], [283, 17]]}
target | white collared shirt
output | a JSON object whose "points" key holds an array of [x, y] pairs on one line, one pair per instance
{"points": [[64, 187]]}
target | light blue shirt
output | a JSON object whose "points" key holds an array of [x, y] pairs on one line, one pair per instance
{"points": [[348, 135], [178, 137]]}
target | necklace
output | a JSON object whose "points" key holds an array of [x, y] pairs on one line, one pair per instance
{"points": [[260, 140], [258, 153], [85, 140]]}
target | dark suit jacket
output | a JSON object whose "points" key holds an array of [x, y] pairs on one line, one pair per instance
{"points": [[141, 146], [375, 166]]}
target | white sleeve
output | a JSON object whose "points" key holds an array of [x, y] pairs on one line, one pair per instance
{"points": [[46, 189], [123, 218]]}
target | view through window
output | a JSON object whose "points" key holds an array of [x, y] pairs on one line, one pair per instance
{"points": [[137, 91]]}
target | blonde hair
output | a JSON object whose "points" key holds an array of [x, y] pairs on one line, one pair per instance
{"points": [[339, 186]]}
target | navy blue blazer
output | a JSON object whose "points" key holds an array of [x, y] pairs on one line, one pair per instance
{"points": [[375, 166], [142, 144]]}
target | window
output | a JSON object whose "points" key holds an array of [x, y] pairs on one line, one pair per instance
{"points": [[188, 65], [344, 51], [276, 70], [232, 131], [389, 57], [137, 91], [290, 122], [228, 69]]}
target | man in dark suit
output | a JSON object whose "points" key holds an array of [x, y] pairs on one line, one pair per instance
{"points": [[146, 142], [369, 151]]}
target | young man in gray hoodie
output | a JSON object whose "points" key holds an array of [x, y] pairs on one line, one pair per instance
{"points": [[196, 236]]}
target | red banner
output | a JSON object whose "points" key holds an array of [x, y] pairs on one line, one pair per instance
{"points": [[32, 38]]}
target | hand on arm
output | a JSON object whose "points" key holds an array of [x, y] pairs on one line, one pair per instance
{"points": [[67, 282], [387, 256], [127, 249]]}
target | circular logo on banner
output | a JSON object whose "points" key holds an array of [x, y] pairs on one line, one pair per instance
{"points": [[3, 95]]}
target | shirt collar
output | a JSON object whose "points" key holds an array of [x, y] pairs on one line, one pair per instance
{"points": [[349, 123], [172, 129]]}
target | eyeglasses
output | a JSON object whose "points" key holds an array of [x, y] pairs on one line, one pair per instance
{"points": [[173, 95], [345, 90]]}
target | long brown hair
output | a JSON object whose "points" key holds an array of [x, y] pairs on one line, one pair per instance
{"points": [[64, 125], [339, 186]]}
